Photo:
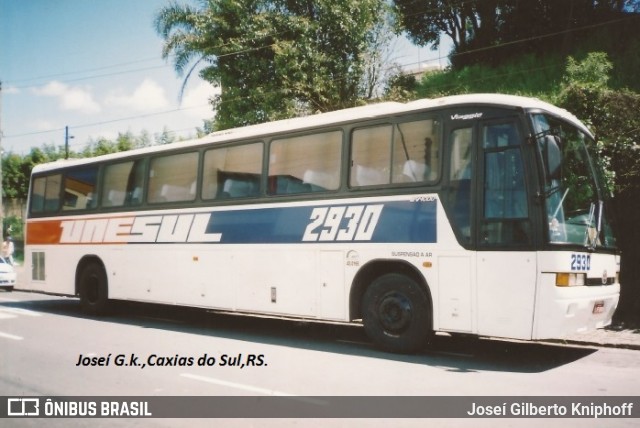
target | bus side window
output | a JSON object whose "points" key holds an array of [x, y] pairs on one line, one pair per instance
{"points": [[45, 197], [371, 156], [416, 149], [123, 184], [460, 181], [305, 164], [232, 172], [80, 188], [171, 177]]}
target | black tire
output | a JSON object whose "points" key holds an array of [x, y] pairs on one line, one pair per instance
{"points": [[397, 314], [94, 290]]}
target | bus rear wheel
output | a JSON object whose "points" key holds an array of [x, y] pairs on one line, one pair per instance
{"points": [[396, 313], [94, 291]]}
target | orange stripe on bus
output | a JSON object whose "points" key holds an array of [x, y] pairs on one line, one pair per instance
{"points": [[44, 232]]}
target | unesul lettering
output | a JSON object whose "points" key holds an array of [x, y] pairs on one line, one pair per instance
{"points": [[155, 228]]}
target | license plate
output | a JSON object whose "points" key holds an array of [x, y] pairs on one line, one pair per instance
{"points": [[598, 307]]}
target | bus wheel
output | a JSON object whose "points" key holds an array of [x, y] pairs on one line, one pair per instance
{"points": [[94, 292], [396, 313]]}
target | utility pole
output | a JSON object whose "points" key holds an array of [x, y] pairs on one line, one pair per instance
{"points": [[67, 137]]}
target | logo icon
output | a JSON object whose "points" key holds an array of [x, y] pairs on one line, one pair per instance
{"points": [[23, 407]]}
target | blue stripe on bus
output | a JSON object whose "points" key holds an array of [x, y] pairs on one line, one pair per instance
{"points": [[398, 222]]}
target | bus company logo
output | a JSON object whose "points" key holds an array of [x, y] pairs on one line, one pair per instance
{"points": [[143, 229], [466, 116], [324, 224], [23, 407]]}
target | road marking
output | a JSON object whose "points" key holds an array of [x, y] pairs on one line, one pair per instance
{"points": [[243, 387], [10, 336], [251, 388]]}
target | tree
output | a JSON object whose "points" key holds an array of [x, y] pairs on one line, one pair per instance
{"points": [[14, 183], [101, 146], [165, 137], [593, 72], [426, 21], [208, 126], [379, 67], [487, 31], [401, 87], [272, 59]]}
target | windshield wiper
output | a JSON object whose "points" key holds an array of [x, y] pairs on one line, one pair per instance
{"points": [[566, 192], [598, 223], [588, 241]]}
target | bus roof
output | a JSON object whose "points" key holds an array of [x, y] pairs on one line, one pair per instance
{"points": [[337, 117], [498, 100]]}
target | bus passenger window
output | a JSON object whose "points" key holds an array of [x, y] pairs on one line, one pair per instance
{"points": [[80, 188], [406, 153], [45, 196], [172, 178], [371, 156], [306, 164], [416, 152], [232, 172], [123, 184]]}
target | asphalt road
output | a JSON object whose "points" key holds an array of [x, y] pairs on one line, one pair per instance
{"points": [[48, 347]]}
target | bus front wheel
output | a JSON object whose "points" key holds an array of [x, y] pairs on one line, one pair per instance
{"points": [[396, 314], [94, 293]]}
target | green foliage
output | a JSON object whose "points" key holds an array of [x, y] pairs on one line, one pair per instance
{"points": [[591, 73], [613, 117], [488, 31], [208, 127], [273, 59], [526, 75], [13, 183], [165, 137], [14, 227], [401, 87]]}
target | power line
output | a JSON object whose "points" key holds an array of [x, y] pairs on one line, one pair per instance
{"points": [[524, 40], [96, 76], [106, 122], [271, 45], [89, 70]]}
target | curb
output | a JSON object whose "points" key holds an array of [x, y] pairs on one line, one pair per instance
{"points": [[630, 346]]}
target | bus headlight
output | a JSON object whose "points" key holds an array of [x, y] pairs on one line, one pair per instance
{"points": [[570, 279]]}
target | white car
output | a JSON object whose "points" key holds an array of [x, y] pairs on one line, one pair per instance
{"points": [[7, 275]]}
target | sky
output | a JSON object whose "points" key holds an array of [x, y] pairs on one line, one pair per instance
{"points": [[96, 67]]}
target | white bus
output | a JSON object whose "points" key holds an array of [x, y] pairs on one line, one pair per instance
{"points": [[476, 214]]}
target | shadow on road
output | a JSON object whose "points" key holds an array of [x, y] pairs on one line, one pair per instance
{"points": [[456, 354]]}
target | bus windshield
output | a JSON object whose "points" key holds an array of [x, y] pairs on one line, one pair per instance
{"points": [[574, 194]]}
